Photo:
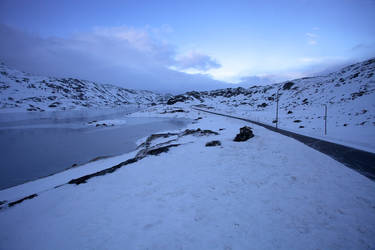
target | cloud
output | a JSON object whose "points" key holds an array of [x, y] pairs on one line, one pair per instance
{"points": [[133, 58], [256, 80], [311, 38], [314, 66], [198, 61], [364, 50]]}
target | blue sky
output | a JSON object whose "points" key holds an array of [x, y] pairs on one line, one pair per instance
{"points": [[229, 41]]}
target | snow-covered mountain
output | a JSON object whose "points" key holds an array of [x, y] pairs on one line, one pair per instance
{"points": [[348, 93], [21, 91]]}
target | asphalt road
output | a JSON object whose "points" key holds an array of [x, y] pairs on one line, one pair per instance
{"points": [[359, 160]]}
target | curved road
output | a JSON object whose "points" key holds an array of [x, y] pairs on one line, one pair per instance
{"points": [[359, 160]]}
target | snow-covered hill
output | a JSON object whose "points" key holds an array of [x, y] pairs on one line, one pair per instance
{"points": [[349, 95], [21, 91]]}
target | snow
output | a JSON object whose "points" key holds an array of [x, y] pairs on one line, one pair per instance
{"points": [[268, 192], [23, 92], [348, 93]]}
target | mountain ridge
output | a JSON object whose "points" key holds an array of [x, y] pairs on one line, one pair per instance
{"points": [[20, 91]]}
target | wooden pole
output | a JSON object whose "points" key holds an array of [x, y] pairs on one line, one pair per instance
{"points": [[277, 107], [325, 119]]}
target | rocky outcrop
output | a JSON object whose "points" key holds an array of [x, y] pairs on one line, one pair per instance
{"points": [[245, 134], [178, 98], [213, 143], [288, 85], [147, 149]]}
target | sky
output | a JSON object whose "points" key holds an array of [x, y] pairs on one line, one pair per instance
{"points": [[184, 45]]}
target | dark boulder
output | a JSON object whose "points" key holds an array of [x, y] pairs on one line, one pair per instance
{"points": [[288, 85], [195, 94], [213, 143], [263, 105], [160, 150], [173, 111], [178, 98], [199, 132], [245, 134]]}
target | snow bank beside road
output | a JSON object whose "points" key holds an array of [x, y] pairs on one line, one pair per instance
{"points": [[268, 192]]}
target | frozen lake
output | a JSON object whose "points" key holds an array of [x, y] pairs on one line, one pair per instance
{"points": [[35, 148]]}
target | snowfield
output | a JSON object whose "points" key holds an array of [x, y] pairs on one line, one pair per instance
{"points": [[270, 192], [349, 95]]}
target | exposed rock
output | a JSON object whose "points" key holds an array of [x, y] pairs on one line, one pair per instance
{"points": [[297, 121], [199, 132], [213, 143], [84, 178], [173, 111], [195, 94], [152, 137], [288, 85], [11, 204], [160, 150], [263, 105], [99, 158], [104, 125], [178, 98], [245, 134], [54, 105]]}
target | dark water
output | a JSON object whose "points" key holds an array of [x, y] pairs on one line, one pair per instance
{"points": [[30, 150]]}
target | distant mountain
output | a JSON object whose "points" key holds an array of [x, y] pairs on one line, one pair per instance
{"points": [[343, 86], [21, 91], [349, 94]]}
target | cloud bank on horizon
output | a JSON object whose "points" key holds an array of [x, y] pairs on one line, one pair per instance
{"points": [[123, 56], [175, 47]]}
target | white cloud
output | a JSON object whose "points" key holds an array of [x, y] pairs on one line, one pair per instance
{"points": [[311, 38], [197, 61]]}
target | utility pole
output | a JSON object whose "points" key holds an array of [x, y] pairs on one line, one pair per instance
{"points": [[325, 119], [277, 107]]}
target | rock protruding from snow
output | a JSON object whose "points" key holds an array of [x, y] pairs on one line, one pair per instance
{"points": [[178, 98], [245, 134], [288, 85], [213, 143]]}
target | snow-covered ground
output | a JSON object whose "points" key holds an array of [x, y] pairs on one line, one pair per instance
{"points": [[356, 136], [270, 192], [349, 95], [24, 92]]}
